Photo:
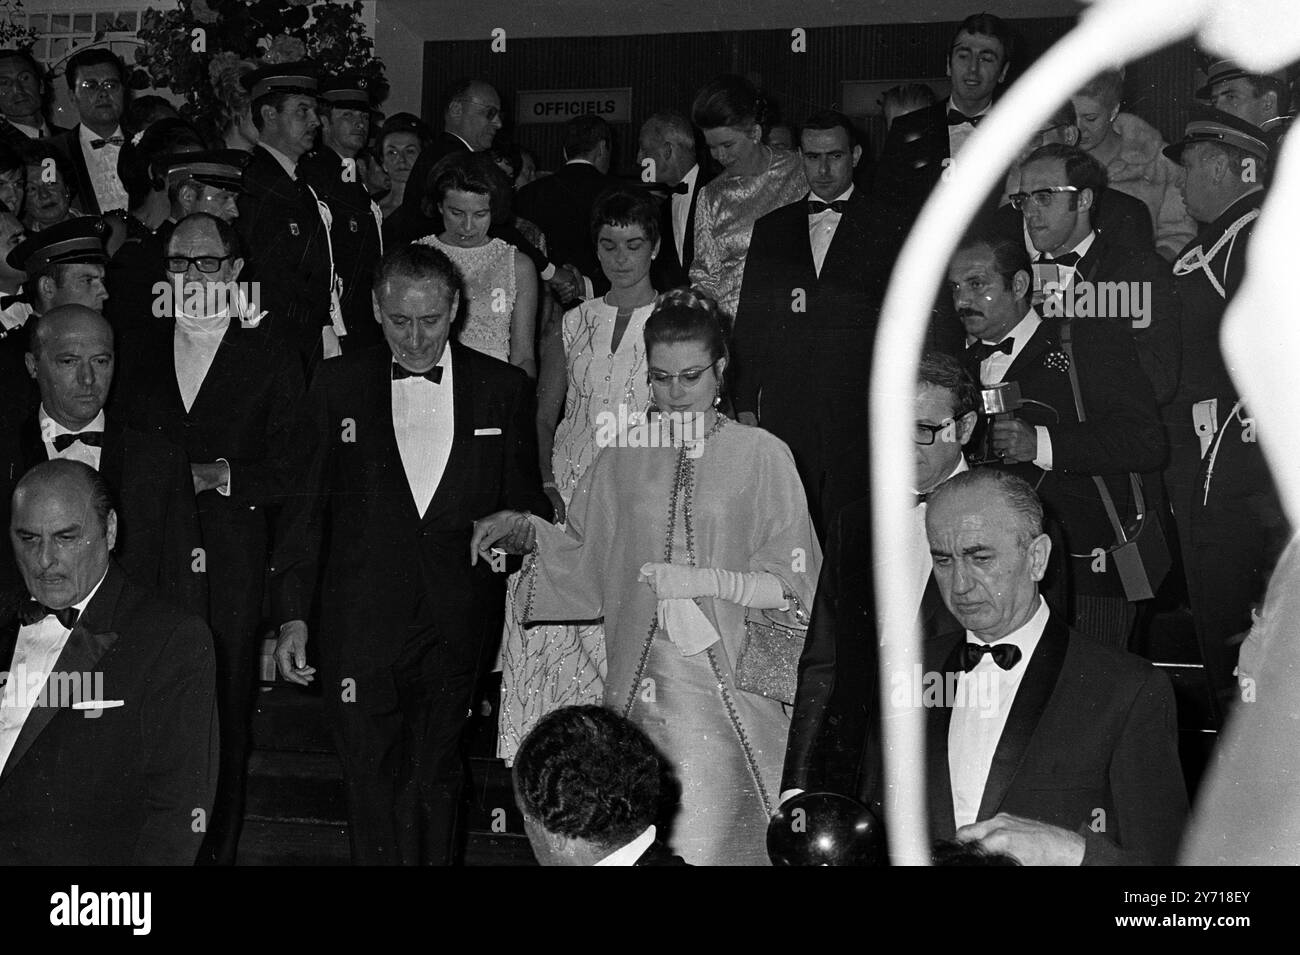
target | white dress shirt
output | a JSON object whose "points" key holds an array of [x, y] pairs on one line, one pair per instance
{"points": [[628, 854], [424, 424], [288, 164], [15, 316], [36, 653], [979, 714], [821, 228], [994, 368], [681, 206], [77, 450], [32, 132], [101, 165], [1050, 273], [957, 135]]}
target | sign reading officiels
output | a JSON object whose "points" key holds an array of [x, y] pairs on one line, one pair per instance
{"points": [[559, 106]]}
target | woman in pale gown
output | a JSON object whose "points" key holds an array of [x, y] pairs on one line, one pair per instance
{"points": [[600, 363], [671, 536], [499, 281], [755, 180]]}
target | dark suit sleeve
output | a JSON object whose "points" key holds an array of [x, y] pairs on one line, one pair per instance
{"points": [[803, 770], [1122, 432], [521, 485], [180, 719], [182, 540], [1160, 343], [269, 479], [751, 326], [1146, 785]]}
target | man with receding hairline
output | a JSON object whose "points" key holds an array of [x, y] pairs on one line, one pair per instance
{"points": [[1050, 747], [108, 729], [72, 359]]}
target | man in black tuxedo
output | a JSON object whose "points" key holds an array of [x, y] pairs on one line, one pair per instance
{"points": [[97, 79], [1081, 273], [1045, 441], [838, 697], [471, 118], [331, 169], [561, 203], [115, 761], [922, 144], [1230, 520], [159, 545], [668, 141], [1044, 745], [807, 315], [22, 99], [280, 217], [212, 380], [414, 441], [588, 784]]}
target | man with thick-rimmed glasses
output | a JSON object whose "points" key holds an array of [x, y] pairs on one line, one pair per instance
{"points": [[96, 78]]}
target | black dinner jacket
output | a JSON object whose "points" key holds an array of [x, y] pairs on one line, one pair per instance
{"points": [[13, 136], [249, 410], [1090, 745], [1122, 433], [838, 698], [386, 567], [287, 247], [560, 204], [126, 786], [158, 536], [669, 271], [68, 143], [354, 234], [408, 222]]}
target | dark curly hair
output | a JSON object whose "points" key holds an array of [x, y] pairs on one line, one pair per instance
{"points": [[585, 772], [620, 206]]}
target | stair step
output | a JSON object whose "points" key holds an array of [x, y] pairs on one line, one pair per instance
{"points": [[292, 719], [274, 842], [304, 786]]}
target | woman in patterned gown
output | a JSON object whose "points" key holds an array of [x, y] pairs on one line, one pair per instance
{"points": [[671, 540], [600, 363], [498, 281], [755, 180]]}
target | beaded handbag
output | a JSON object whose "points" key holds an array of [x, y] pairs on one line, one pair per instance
{"points": [[768, 663]]}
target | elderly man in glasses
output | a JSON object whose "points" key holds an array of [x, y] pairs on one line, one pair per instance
{"points": [[214, 378], [96, 79]]}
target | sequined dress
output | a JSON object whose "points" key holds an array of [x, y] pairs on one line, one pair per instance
{"points": [[728, 207], [553, 665], [747, 511], [488, 274]]}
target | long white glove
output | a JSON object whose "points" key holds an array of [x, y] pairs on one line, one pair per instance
{"points": [[758, 589]]}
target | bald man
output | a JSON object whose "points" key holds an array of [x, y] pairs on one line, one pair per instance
{"points": [[108, 740], [159, 545]]}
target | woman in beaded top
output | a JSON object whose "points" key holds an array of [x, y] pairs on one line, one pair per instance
{"points": [[499, 282], [755, 180], [593, 369], [673, 533]]}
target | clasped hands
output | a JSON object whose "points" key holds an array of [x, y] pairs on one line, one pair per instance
{"points": [[511, 531]]}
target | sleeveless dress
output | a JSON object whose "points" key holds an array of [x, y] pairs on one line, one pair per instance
{"points": [[487, 275], [552, 665]]}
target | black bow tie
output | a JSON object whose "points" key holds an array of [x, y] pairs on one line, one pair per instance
{"points": [[434, 374], [1069, 258], [956, 117], [32, 612], [101, 143], [681, 189], [979, 351], [9, 300], [64, 441], [815, 206], [921, 498], [1005, 655]]}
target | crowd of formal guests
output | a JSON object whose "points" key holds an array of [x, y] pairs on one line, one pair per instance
{"points": [[422, 410]]}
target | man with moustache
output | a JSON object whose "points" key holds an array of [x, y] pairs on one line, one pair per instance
{"points": [[71, 357], [1046, 442], [97, 79], [415, 440], [1072, 757], [332, 171], [118, 765], [282, 221]]}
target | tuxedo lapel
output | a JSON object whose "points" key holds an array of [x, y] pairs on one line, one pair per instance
{"points": [[943, 818], [224, 372], [380, 399], [688, 239], [30, 444], [846, 249], [1041, 674], [1039, 343], [462, 409], [89, 640], [112, 453], [86, 198]]}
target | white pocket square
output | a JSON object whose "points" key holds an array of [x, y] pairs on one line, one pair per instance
{"points": [[97, 704], [486, 431]]}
